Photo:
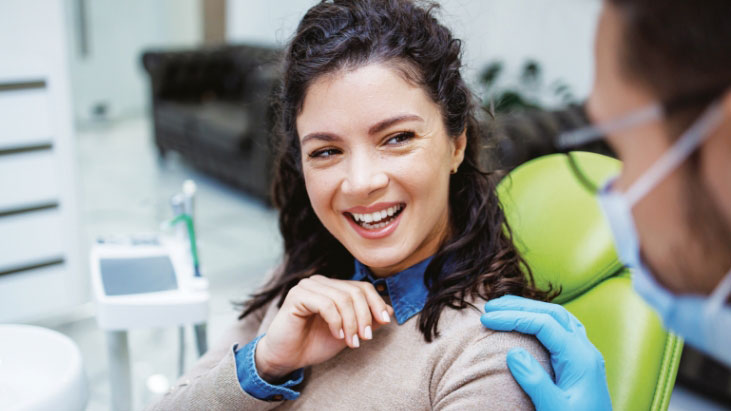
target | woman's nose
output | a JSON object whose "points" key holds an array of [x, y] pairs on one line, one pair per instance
{"points": [[364, 177]]}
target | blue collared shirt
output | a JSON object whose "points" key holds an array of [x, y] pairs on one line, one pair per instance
{"points": [[407, 293], [256, 386], [406, 289]]}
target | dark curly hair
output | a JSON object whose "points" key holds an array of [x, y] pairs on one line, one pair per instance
{"points": [[346, 34]]}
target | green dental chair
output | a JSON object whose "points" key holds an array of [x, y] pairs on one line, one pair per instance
{"points": [[561, 232]]}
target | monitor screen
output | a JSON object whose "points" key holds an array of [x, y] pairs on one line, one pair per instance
{"points": [[123, 276]]}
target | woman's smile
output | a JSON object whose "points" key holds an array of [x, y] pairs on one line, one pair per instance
{"points": [[376, 221]]}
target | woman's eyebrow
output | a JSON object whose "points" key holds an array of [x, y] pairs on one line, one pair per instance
{"points": [[378, 127], [384, 124], [329, 137]]}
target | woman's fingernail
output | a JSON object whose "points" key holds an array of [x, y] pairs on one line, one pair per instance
{"points": [[385, 316], [342, 334], [368, 333], [356, 343]]}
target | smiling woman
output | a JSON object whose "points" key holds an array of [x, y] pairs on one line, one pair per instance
{"points": [[387, 149], [384, 214]]}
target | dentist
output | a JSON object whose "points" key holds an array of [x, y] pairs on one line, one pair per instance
{"points": [[662, 101]]}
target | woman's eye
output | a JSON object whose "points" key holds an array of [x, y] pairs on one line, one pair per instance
{"points": [[325, 153], [400, 138]]}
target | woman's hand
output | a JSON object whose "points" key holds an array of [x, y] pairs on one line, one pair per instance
{"points": [[319, 317]]}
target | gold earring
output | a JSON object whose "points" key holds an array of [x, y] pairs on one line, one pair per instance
{"points": [[454, 171]]}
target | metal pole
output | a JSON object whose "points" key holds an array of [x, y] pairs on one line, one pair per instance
{"points": [[201, 338], [181, 350], [119, 370]]}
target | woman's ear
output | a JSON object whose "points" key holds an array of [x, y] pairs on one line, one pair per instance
{"points": [[459, 145]]}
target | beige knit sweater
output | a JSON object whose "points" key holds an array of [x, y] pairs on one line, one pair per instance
{"points": [[463, 369]]}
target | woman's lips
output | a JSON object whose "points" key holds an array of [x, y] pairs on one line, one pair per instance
{"points": [[374, 207], [391, 221]]}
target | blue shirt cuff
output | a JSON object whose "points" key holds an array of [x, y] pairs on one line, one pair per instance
{"points": [[254, 385]]}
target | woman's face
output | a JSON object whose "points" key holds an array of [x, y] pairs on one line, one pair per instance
{"points": [[376, 160]]}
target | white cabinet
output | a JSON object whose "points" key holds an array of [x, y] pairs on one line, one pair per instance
{"points": [[29, 178], [24, 113], [41, 271]]}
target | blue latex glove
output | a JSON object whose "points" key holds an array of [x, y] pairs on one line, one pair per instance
{"points": [[581, 382]]}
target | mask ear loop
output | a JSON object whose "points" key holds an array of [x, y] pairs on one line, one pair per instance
{"points": [[713, 306], [584, 135], [686, 144], [719, 295], [592, 133]]}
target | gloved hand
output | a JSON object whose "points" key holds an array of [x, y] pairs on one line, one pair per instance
{"points": [[581, 382]]}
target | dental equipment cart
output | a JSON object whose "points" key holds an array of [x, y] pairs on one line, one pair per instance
{"points": [[144, 281]]}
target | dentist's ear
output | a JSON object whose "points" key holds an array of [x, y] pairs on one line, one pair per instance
{"points": [[459, 145]]}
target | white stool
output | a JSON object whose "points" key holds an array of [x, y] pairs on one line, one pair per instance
{"points": [[40, 369]]}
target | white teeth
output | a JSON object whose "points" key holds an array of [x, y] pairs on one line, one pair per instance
{"points": [[374, 226], [367, 219]]}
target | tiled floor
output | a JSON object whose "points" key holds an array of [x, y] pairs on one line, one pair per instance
{"points": [[125, 190]]}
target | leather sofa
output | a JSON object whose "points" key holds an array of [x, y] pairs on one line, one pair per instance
{"points": [[212, 106]]}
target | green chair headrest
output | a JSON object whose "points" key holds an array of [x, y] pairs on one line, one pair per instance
{"points": [[557, 223]]}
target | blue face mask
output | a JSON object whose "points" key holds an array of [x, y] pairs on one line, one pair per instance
{"points": [[704, 321]]}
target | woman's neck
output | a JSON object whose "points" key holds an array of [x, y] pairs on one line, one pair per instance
{"points": [[428, 248]]}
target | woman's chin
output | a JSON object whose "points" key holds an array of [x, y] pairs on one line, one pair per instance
{"points": [[377, 261]]}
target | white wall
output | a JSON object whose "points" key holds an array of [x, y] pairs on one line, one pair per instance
{"points": [[118, 32], [263, 22], [557, 33], [33, 48]]}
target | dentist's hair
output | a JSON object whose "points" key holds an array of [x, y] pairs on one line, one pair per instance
{"points": [[677, 48], [404, 35]]}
